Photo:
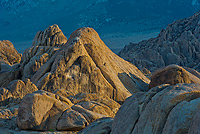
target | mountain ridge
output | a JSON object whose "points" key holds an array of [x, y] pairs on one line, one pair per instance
{"points": [[105, 16], [177, 44]]}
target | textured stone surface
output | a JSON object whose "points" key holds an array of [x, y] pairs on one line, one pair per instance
{"points": [[130, 111], [52, 36], [99, 103], [194, 128], [40, 111], [72, 120], [162, 104], [44, 46], [9, 75], [16, 90], [86, 64], [20, 88], [180, 118], [163, 109], [89, 115], [171, 74], [127, 115], [8, 54], [100, 126], [177, 44]]}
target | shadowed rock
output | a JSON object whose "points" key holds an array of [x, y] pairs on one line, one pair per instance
{"points": [[178, 44], [72, 120], [100, 126], [163, 109]]}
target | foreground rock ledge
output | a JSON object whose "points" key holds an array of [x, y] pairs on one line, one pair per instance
{"points": [[163, 109]]}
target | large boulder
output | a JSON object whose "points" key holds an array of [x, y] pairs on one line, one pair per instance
{"points": [[164, 109], [40, 111], [172, 75], [86, 64], [72, 120], [44, 46], [8, 54], [177, 44]]}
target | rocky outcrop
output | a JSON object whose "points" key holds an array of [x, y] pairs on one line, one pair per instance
{"points": [[15, 91], [164, 109], [40, 111], [9, 74], [86, 64], [100, 126], [98, 103], [177, 44], [8, 54], [44, 46], [43, 110], [52, 36], [172, 75]]}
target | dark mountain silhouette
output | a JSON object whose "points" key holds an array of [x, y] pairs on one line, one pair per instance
{"points": [[177, 44]]}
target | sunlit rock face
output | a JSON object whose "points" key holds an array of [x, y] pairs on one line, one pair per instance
{"points": [[8, 54], [173, 74], [44, 46], [177, 44], [43, 110], [86, 64]]}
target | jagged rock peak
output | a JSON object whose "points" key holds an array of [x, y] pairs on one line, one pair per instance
{"points": [[86, 64], [52, 36], [178, 44], [44, 46]]}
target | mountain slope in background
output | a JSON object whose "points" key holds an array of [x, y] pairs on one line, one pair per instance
{"points": [[178, 44], [21, 19]]}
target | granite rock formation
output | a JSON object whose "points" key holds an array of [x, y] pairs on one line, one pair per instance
{"points": [[8, 54], [9, 74], [100, 126], [86, 64], [42, 110], [178, 44], [15, 91], [44, 46], [163, 109], [172, 75]]}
